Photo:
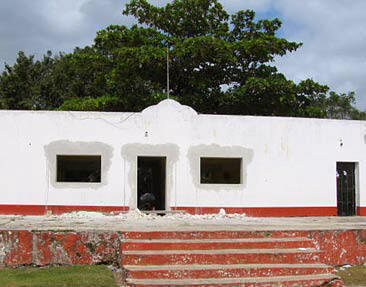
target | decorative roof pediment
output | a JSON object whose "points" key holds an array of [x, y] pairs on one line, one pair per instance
{"points": [[168, 109]]}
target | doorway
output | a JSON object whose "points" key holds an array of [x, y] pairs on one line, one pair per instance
{"points": [[151, 177], [346, 189]]}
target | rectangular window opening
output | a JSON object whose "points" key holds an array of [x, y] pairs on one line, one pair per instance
{"points": [[78, 168], [215, 170]]}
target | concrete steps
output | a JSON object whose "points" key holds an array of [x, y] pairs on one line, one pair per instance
{"points": [[223, 258], [224, 270], [299, 281], [209, 244]]}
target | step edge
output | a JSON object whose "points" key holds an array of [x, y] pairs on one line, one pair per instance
{"points": [[222, 251], [325, 276], [296, 239], [221, 266]]}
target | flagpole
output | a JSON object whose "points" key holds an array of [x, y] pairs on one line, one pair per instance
{"points": [[167, 73]]}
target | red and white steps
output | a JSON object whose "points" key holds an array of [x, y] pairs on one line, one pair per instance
{"points": [[223, 258]]}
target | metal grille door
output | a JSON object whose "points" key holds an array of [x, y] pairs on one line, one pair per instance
{"points": [[346, 195]]}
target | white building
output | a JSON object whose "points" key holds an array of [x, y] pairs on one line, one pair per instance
{"points": [[263, 166]]}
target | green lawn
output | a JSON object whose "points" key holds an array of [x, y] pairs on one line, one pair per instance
{"points": [[61, 276], [353, 276]]}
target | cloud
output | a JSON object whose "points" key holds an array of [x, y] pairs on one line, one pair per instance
{"points": [[333, 34], [38, 26], [258, 6], [334, 37]]}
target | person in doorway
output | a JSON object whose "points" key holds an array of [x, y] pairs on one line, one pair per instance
{"points": [[147, 201]]}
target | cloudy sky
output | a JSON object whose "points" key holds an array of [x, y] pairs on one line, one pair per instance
{"points": [[333, 33]]}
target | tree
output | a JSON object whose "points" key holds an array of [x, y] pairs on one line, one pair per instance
{"points": [[341, 106], [219, 63], [17, 90], [209, 49], [32, 85]]}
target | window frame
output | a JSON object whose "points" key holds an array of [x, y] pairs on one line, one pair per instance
{"points": [[100, 169], [239, 182]]}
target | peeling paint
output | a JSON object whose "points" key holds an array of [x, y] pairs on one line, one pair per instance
{"points": [[337, 247], [44, 247]]}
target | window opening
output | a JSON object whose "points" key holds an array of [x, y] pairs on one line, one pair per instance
{"points": [[79, 168], [216, 170]]}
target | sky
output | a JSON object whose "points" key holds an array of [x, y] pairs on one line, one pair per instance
{"points": [[333, 33]]}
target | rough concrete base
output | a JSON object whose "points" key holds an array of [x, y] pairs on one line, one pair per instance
{"points": [[80, 240], [24, 247], [92, 221]]}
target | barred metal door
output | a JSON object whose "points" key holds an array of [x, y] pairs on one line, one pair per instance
{"points": [[346, 195]]}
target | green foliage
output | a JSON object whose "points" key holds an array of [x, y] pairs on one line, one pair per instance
{"points": [[17, 86], [340, 106], [34, 85], [61, 276], [209, 48], [353, 276], [104, 103], [219, 63]]}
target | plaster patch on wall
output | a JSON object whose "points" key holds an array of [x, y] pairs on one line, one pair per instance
{"points": [[64, 147], [214, 150], [130, 152]]}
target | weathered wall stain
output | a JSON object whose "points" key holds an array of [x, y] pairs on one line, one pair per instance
{"points": [[341, 246], [333, 247], [23, 247]]}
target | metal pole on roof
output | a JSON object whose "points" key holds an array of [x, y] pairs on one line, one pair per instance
{"points": [[167, 71]]}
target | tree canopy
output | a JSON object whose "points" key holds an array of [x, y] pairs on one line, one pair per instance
{"points": [[219, 63]]}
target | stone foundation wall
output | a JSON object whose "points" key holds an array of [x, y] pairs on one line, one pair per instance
{"points": [[23, 247], [58, 247]]}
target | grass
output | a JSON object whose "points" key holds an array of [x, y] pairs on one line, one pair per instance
{"points": [[353, 276], [101, 276], [60, 276]]}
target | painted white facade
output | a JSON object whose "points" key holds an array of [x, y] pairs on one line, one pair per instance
{"points": [[287, 162]]}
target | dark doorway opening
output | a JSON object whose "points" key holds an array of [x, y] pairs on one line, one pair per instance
{"points": [[151, 183], [346, 189]]}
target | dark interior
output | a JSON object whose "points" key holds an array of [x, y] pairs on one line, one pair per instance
{"points": [[151, 183], [346, 189], [216, 170], [78, 168]]}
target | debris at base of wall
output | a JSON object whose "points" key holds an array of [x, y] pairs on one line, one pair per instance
{"points": [[114, 268], [343, 267], [82, 214], [222, 212], [137, 216], [83, 220]]}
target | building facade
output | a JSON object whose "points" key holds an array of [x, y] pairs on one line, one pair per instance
{"points": [[55, 162]]}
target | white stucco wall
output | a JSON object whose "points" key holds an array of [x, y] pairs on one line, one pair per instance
{"points": [[287, 162]]}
